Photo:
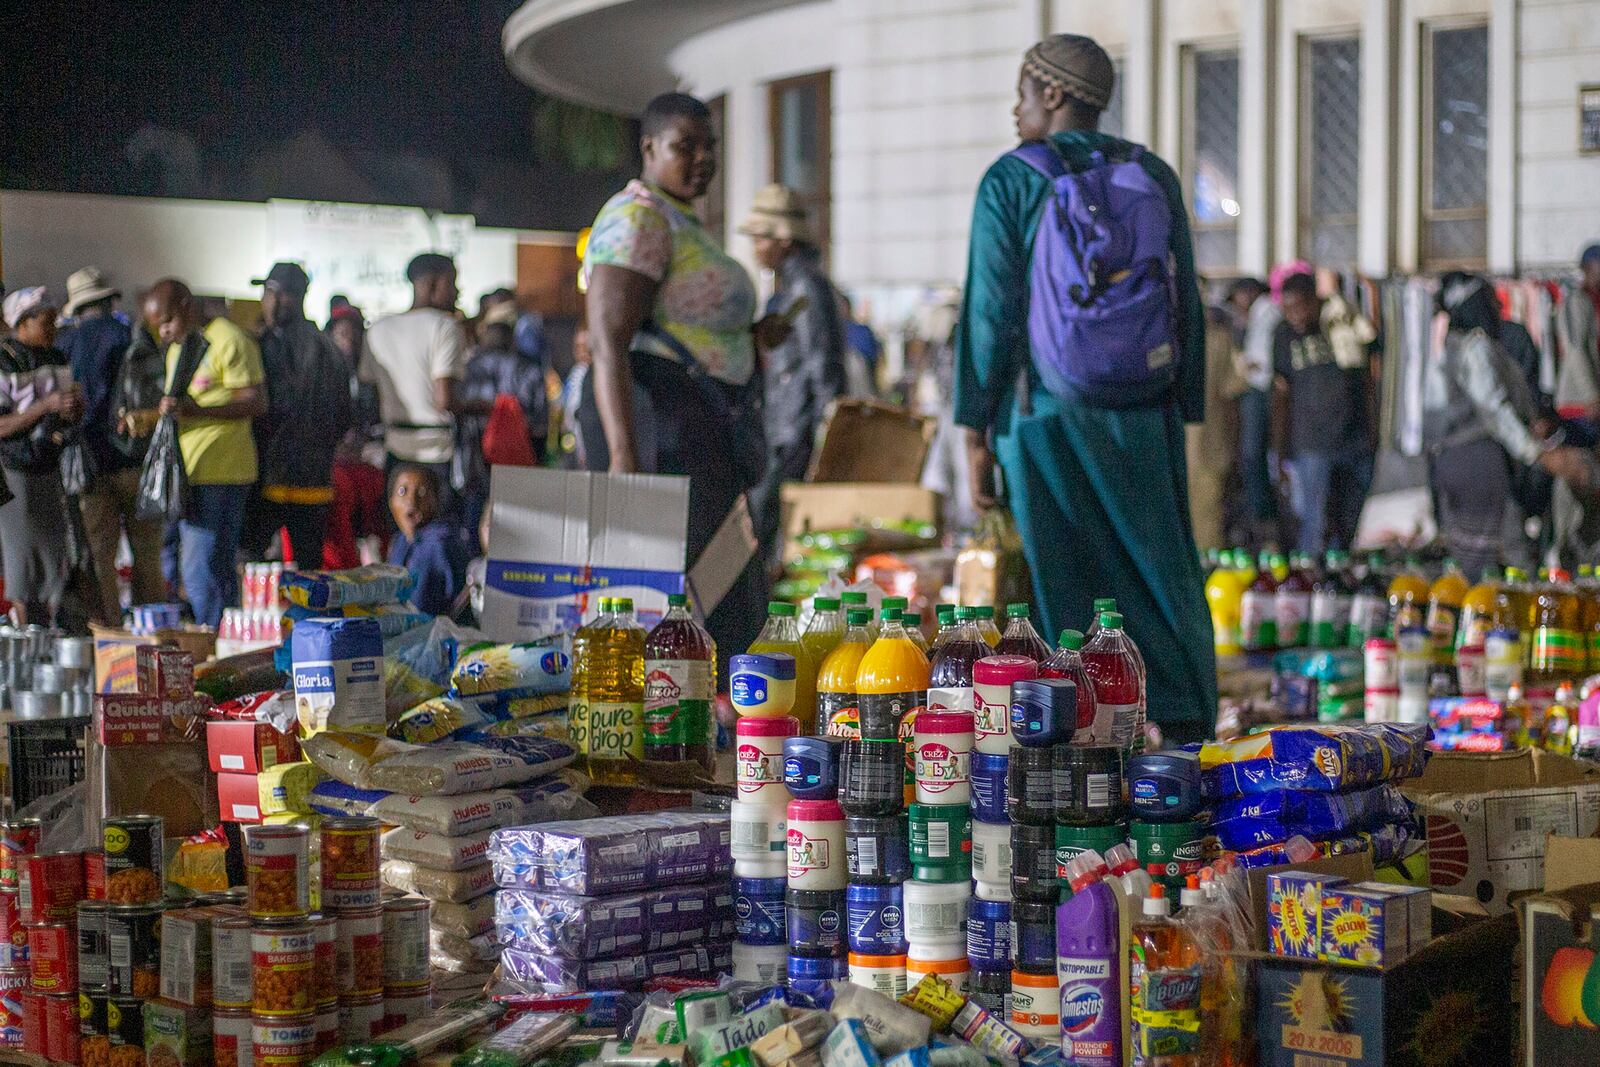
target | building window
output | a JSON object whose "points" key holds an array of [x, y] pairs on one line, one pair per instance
{"points": [[713, 207], [1330, 149], [1112, 120], [1455, 157], [1211, 154], [800, 131]]}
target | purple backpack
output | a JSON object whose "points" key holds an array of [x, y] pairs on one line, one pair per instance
{"points": [[1100, 314]]}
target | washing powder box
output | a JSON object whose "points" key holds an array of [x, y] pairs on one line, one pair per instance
{"points": [[1295, 911], [1363, 927]]}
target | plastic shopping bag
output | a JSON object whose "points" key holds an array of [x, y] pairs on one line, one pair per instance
{"points": [[505, 438], [163, 483]]}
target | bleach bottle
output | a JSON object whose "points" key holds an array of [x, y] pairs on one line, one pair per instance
{"points": [[1089, 966]]}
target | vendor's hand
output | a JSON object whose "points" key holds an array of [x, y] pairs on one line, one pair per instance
{"points": [[168, 405], [1571, 465], [771, 331], [139, 423], [72, 403], [623, 463], [980, 469]]}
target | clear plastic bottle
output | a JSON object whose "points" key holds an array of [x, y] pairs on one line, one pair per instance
{"points": [[1020, 638], [1330, 603], [950, 674], [986, 627], [836, 681], [1163, 979], [782, 634], [945, 615], [1258, 613], [1408, 597], [1369, 606], [892, 680], [856, 599], [1223, 596], [824, 631], [1292, 603], [1119, 690], [578, 696], [1445, 598], [680, 689], [1067, 662], [912, 621], [615, 683], [1102, 605]]}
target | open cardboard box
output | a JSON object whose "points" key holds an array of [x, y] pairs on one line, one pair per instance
{"points": [[1560, 957], [808, 507], [870, 441], [116, 653]]}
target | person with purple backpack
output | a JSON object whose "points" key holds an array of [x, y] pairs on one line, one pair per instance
{"points": [[1080, 356]]}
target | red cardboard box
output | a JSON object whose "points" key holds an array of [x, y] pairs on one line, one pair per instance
{"points": [[128, 719], [165, 671], [248, 747], [238, 798]]}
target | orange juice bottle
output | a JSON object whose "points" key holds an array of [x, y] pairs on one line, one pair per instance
{"points": [[1478, 611], [782, 634], [836, 681], [1408, 597], [1444, 611], [892, 679], [825, 631]]}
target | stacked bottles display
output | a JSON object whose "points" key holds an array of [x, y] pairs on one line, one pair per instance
{"points": [[986, 627], [578, 695], [1292, 603], [1020, 638], [1330, 604], [1555, 626], [680, 689], [836, 681], [1445, 598], [824, 631], [766, 865], [950, 675], [1164, 979], [913, 624], [1113, 666], [1478, 615], [1224, 594], [1408, 598], [614, 690], [1369, 605], [1258, 612], [782, 634]]}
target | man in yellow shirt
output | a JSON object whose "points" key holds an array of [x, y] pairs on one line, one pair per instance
{"points": [[214, 389]]}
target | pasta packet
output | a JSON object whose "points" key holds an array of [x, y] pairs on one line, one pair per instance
{"points": [[510, 671], [379, 583], [1323, 758]]}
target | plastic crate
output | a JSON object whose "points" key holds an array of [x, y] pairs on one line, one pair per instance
{"points": [[47, 756]]}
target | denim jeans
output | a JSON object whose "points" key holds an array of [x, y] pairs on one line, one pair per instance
{"points": [[1255, 416], [210, 538], [1327, 490]]}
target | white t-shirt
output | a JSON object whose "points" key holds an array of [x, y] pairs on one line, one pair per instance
{"points": [[403, 356]]}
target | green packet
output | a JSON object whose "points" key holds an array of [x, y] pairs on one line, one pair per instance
{"points": [[445, 1026], [517, 1045]]}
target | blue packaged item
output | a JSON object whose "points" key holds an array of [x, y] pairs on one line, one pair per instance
{"points": [[1164, 786], [875, 918], [989, 787], [1324, 758], [333, 797], [810, 975], [816, 922], [1044, 711], [758, 910], [379, 583], [1248, 822], [877, 849], [811, 767], [989, 935], [337, 666], [1033, 936]]}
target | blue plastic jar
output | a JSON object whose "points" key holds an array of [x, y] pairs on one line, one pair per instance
{"points": [[989, 787], [989, 935], [815, 920], [811, 975], [1044, 711], [990, 990], [875, 919], [758, 911], [1033, 936], [877, 849], [1164, 786], [811, 767]]}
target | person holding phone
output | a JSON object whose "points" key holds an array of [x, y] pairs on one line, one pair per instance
{"points": [[672, 386], [805, 373]]}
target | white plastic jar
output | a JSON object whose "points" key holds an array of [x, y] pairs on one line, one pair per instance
{"points": [[815, 834], [883, 974], [764, 964], [758, 759], [943, 757], [991, 853], [1036, 1006], [992, 890], [936, 912], [949, 963], [757, 831]]}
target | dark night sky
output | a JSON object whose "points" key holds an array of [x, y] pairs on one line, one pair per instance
{"points": [[240, 75]]}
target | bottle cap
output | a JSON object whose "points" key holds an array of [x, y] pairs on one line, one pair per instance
{"points": [[1071, 640], [782, 609], [985, 611], [1105, 603], [853, 599], [1120, 859], [858, 616], [605, 605], [889, 614], [1110, 620], [825, 603], [1016, 611], [896, 602], [677, 600], [1156, 903], [966, 611], [945, 613], [912, 620], [1191, 896], [623, 603]]}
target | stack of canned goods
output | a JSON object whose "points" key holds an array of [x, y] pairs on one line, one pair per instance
{"points": [[877, 853]]}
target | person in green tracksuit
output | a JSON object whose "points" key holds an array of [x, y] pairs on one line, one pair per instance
{"points": [[1100, 494]]}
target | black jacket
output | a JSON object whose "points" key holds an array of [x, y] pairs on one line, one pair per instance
{"points": [[21, 385], [309, 406], [806, 372]]}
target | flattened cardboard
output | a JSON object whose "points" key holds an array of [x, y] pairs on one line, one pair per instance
{"points": [[1560, 958]]}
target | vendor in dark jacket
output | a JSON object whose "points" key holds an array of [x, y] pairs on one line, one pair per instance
{"points": [[309, 409], [806, 372], [433, 549]]}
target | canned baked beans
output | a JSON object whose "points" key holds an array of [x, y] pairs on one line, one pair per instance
{"points": [[230, 963], [61, 1027], [13, 937], [405, 941], [360, 1019], [13, 984], [133, 859], [360, 953], [133, 950], [94, 1037], [33, 1023], [231, 1039], [94, 875], [327, 1024], [53, 958], [285, 1041], [350, 863], [325, 960], [280, 970], [402, 1004], [18, 838], [125, 1029], [52, 885], [277, 867], [94, 960]]}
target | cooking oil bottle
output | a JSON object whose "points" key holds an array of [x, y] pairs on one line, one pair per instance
{"points": [[1408, 597], [1556, 653], [1478, 611], [578, 698], [1444, 612], [615, 684]]}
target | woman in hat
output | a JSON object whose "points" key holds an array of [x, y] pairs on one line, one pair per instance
{"points": [[1099, 493], [38, 405], [806, 372], [673, 342]]}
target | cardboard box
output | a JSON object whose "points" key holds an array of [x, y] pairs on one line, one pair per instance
{"points": [[248, 798], [870, 441], [1448, 1006], [128, 719], [170, 779], [1361, 926], [1351, 868], [164, 670], [248, 747], [1561, 958], [808, 507], [116, 668], [1295, 901], [1488, 814], [559, 540], [238, 798]]}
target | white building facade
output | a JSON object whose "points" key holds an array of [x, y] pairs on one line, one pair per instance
{"points": [[1383, 136]]}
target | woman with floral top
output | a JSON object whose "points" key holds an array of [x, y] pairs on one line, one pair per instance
{"points": [[673, 342]]}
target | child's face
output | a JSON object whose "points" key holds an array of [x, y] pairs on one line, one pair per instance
{"points": [[412, 502]]}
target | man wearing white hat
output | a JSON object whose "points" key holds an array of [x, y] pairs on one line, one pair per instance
{"points": [[97, 343], [806, 372]]}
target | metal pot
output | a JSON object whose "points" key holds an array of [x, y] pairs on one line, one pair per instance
{"points": [[32, 704], [49, 678], [76, 652]]}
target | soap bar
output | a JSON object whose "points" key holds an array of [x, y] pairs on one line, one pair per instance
{"points": [[849, 1046], [937, 999], [712, 1041], [806, 1031], [892, 1027], [701, 1009]]}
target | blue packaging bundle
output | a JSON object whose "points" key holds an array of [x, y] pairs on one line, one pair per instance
{"points": [[586, 928], [1267, 818], [612, 855], [337, 667], [1384, 845], [379, 583], [558, 974], [1325, 758], [393, 619], [486, 670]]}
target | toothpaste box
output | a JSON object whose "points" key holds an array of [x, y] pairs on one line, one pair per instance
{"points": [[1418, 902], [1294, 912], [1361, 927]]}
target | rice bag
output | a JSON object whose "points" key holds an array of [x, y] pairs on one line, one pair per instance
{"points": [[333, 797], [457, 887], [393, 619], [549, 799], [557, 974], [1265, 818], [613, 854], [595, 927], [470, 951], [1322, 758], [536, 726], [436, 851], [444, 769], [510, 671], [470, 919], [379, 583]]}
